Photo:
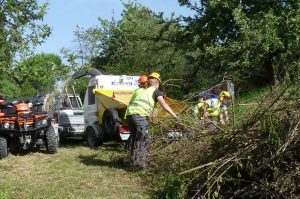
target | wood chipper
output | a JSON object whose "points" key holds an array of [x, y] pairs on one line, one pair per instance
{"points": [[105, 103]]}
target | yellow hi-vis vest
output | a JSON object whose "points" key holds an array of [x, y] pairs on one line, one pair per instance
{"points": [[214, 111], [141, 103], [211, 110]]}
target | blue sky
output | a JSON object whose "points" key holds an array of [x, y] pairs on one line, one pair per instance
{"points": [[64, 15]]}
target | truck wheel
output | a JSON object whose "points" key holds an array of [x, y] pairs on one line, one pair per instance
{"points": [[3, 147], [51, 140], [111, 121], [91, 138]]}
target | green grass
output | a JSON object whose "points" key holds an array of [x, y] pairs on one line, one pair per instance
{"points": [[249, 101], [253, 94], [74, 172]]}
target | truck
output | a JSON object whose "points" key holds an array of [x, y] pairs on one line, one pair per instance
{"points": [[68, 116], [105, 102]]}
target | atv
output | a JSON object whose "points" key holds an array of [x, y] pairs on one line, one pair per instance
{"points": [[24, 126]]}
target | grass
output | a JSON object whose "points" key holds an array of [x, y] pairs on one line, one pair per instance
{"points": [[253, 94], [249, 100], [74, 172]]}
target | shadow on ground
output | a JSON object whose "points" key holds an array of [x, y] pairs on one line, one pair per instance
{"points": [[72, 142], [114, 147], [94, 160]]}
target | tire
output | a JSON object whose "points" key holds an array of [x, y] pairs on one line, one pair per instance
{"points": [[91, 138], [3, 147], [111, 122], [51, 140]]}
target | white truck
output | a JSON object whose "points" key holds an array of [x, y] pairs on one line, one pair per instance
{"points": [[105, 103], [68, 116]]}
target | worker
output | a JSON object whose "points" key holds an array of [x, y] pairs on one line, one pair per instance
{"points": [[212, 106], [140, 108], [143, 83], [225, 100], [203, 109], [200, 108]]}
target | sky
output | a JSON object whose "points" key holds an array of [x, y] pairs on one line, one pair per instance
{"points": [[64, 15]]}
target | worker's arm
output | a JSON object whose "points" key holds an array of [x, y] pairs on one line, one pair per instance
{"points": [[221, 118], [165, 106], [226, 115]]}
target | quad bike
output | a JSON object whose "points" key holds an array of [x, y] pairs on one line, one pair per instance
{"points": [[24, 126]]}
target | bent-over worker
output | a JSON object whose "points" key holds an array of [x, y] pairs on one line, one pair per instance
{"points": [[213, 106]]}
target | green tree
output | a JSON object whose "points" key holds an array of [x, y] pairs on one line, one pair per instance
{"points": [[140, 42], [243, 38], [38, 73], [19, 29], [89, 44], [8, 88]]}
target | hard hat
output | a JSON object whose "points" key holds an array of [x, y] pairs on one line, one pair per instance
{"points": [[225, 94], [143, 79], [155, 75]]}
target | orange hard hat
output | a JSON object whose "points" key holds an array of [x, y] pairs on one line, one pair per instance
{"points": [[143, 79]]}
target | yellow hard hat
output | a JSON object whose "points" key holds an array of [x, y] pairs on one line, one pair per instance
{"points": [[155, 75], [224, 94]]}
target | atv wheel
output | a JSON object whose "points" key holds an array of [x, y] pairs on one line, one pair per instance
{"points": [[3, 147], [111, 122], [91, 138], [51, 140]]}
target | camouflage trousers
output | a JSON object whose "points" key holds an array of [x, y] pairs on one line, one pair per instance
{"points": [[138, 142]]}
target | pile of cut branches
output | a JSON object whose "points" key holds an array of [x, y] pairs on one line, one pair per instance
{"points": [[255, 156]]}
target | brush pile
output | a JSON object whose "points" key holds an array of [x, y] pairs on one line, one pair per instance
{"points": [[255, 156]]}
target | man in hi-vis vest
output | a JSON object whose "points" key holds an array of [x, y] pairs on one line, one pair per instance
{"points": [[140, 108]]}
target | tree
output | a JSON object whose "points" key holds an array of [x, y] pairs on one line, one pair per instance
{"points": [[19, 30], [243, 38], [140, 42], [89, 44], [38, 73], [8, 88]]}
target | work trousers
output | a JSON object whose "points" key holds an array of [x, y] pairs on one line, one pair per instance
{"points": [[139, 143]]}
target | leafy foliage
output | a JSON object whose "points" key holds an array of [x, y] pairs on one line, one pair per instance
{"points": [[8, 88], [38, 73], [20, 33], [251, 40], [141, 42], [19, 30]]}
